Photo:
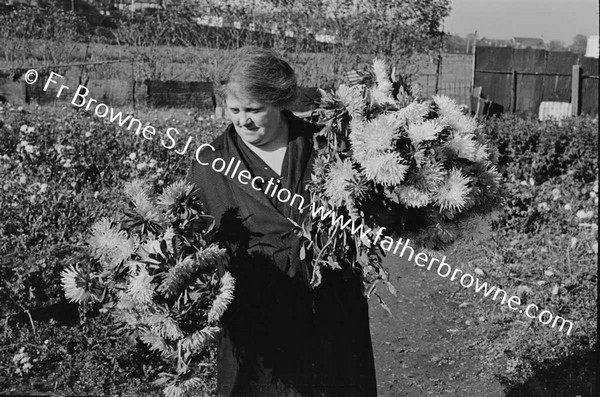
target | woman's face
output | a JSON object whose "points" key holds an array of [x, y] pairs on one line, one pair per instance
{"points": [[256, 123]]}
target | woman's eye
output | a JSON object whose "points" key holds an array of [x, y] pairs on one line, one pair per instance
{"points": [[233, 110]]}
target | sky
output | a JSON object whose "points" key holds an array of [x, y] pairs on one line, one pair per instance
{"points": [[503, 19]]}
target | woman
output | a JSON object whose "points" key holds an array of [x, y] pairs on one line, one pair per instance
{"points": [[280, 337]]}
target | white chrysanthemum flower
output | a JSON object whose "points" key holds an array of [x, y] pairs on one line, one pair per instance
{"points": [[380, 69], [140, 286], [125, 301], [164, 326], [135, 187], [451, 115], [446, 105], [420, 155], [493, 173], [428, 178], [385, 169], [147, 210], [176, 276], [169, 234], [223, 298], [338, 178], [413, 197], [413, 113], [210, 255], [461, 123], [109, 244], [198, 339], [374, 137], [464, 124], [381, 99], [481, 153], [425, 131], [358, 139], [464, 146], [156, 343], [382, 93], [453, 193], [352, 98], [382, 76], [173, 194], [77, 286]]}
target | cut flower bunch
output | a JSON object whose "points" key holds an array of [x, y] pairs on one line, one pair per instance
{"points": [[157, 273], [419, 169]]}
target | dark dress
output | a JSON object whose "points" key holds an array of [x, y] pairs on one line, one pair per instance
{"points": [[280, 337]]}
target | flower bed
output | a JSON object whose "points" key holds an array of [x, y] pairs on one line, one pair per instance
{"points": [[544, 248]]}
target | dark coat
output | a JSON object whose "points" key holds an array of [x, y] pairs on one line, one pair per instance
{"points": [[279, 336]]}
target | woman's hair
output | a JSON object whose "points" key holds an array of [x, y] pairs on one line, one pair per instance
{"points": [[258, 74]]}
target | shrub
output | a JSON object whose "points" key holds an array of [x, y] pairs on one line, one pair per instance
{"points": [[543, 150]]}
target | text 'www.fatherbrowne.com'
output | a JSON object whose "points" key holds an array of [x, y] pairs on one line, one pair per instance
{"points": [[421, 259]]}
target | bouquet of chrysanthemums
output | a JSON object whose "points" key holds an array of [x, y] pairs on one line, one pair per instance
{"points": [[157, 273], [413, 168]]}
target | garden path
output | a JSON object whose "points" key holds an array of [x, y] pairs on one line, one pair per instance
{"points": [[427, 348]]}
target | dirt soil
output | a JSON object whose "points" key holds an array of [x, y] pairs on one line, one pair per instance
{"points": [[429, 347]]}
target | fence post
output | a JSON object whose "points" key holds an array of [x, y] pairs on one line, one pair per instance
{"points": [[438, 71], [472, 87], [513, 92], [576, 90]]}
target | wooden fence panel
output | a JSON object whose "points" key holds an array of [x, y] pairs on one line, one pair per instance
{"points": [[112, 92], [119, 93], [496, 86], [529, 86], [589, 86], [542, 76], [494, 58], [558, 88], [180, 94]]}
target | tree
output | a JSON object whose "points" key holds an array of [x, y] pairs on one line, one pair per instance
{"points": [[455, 44], [396, 29], [579, 44], [556, 45], [22, 29]]}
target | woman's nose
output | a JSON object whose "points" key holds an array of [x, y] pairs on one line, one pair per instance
{"points": [[244, 119]]}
